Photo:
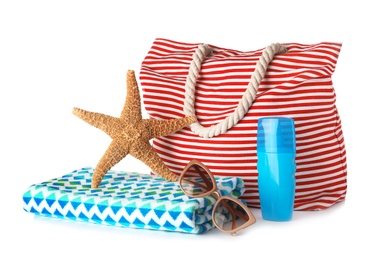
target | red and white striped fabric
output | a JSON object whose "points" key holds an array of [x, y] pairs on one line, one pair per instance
{"points": [[297, 84]]}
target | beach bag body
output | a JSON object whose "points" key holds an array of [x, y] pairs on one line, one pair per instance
{"points": [[228, 91]]}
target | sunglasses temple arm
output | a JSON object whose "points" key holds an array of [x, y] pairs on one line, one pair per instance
{"points": [[194, 183], [235, 212], [240, 214], [203, 176], [232, 212]]}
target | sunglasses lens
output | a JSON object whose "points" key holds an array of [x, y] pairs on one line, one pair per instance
{"points": [[196, 181], [230, 215]]}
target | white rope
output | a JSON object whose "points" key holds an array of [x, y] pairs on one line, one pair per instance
{"points": [[247, 99]]}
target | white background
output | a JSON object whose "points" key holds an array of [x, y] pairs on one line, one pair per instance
{"points": [[55, 55]]}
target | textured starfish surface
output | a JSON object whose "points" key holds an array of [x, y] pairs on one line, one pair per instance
{"points": [[131, 134]]}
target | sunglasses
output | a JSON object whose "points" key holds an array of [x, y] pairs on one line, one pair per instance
{"points": [[229, 214]]}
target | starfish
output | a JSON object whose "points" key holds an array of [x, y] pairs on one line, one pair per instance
{"points": [[131, 134]]}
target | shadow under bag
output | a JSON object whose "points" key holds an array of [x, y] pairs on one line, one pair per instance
{"points": [[228, 91]]}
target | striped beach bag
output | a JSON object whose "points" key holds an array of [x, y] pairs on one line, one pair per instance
{"points": [[229, 90]]}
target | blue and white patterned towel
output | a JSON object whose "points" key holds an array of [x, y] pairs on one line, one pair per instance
{"points": [[127, 199]]}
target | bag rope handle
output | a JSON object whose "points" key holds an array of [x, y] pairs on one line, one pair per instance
{"points": [[247, 99]]}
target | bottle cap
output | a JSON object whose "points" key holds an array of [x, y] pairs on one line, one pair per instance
{"points": [[276, 135]]}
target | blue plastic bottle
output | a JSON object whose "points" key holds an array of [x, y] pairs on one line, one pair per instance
{"points": [[276, 150]]}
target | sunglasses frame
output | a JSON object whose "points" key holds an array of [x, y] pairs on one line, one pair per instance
{"points": [[220, 199]]}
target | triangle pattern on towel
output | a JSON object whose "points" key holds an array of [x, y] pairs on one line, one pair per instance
{"points": [[125, 199]]}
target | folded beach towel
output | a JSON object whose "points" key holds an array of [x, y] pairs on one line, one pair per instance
{"points": [[127, 199]]}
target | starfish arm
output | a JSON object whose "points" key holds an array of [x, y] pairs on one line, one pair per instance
{"points": [[106, 123], [131, 114], [117, 151], [165, 127], [145, 153]]}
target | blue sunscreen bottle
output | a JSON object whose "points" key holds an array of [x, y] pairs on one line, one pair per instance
{"points": [[276, 151]]}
